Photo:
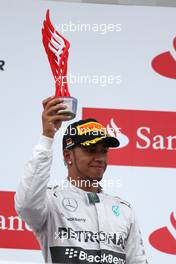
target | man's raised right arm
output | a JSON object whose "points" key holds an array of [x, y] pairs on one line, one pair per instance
{"points": [[31, 200]]}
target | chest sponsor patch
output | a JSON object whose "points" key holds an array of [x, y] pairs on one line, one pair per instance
{"points": [[85, 236], [82, 256]]}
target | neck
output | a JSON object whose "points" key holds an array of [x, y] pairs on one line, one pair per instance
{"points": [[85, 184]]}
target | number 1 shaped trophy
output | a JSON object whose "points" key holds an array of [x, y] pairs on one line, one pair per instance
{"points": [[56, 47]]}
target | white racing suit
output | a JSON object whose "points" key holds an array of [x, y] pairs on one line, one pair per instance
{"points": [[69, 227]]}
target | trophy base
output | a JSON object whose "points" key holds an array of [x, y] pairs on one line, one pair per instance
{"points": [[71, 103]]}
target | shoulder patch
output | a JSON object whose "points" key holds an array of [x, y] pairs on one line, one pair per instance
{"points": [[123, 201], [54, 190], [55, 187]]}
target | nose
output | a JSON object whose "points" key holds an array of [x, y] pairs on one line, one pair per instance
{"points": [[100, 157]]}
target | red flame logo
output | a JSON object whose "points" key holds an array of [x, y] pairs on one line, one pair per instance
{"points": [[164, 239], [173, 220], [165, 63], [116, 131]]}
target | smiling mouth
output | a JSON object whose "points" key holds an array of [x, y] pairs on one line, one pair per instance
{"points": [[98, 167]]}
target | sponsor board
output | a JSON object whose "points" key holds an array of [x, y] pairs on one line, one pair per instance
{"points": [[147, 138], [14, 232]]}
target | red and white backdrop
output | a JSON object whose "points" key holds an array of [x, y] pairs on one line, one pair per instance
{"points": [[122, 69]]}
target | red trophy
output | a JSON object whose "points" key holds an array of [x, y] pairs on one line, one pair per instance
{"points": [[56, 47]]}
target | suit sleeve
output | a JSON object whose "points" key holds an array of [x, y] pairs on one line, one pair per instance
{"points": [[135, 253], [31, 202]]}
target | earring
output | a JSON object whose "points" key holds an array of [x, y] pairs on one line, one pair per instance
{"points": [[69, 162]]}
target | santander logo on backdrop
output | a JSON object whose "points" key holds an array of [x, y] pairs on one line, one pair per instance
{"points": [[14, 232], [165, 63], [115, 131], [164, 238], [147, 138]]}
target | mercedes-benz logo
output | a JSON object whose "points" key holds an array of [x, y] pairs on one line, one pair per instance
{"points": [[70, 204]]}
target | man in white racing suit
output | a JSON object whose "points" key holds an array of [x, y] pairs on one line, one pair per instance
{"points": [[77, 223]]}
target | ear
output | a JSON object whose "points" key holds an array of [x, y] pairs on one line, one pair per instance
{"points": [[67, 156]]}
